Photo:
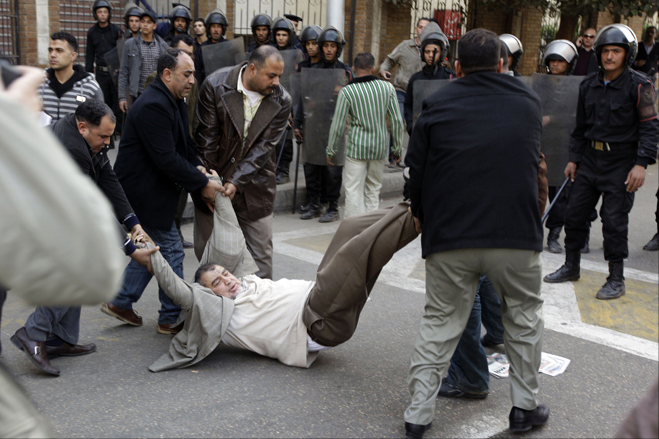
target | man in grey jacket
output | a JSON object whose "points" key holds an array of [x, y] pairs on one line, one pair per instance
{"points": [[139, 59]]}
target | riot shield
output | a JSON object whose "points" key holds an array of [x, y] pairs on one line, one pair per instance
{"points": [[320, 91], [559, 96], [291, 59], [112, 60], [422, 89], [295, 88], [225, 54]]}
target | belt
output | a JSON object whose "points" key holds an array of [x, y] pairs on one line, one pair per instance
{"points": [[103, 69], [610, 146]]}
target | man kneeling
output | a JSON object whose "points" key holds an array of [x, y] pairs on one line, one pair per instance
{"points": [[289, 320]]}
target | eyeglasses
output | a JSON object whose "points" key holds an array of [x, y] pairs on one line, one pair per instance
{"points": [[588, 36]]}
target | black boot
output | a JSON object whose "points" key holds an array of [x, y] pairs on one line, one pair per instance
{"points": [[568, 271], [586, 247], [552, 240], [313, 210], [653, 245], [332, 213], [615, 283], [283, 177]]}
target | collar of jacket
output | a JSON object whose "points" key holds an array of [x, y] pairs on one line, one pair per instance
{"points": [[77, 68], [616, 83], [159, 85], [233, 101], [361, 79]]}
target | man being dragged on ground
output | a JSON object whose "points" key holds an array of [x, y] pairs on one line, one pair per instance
{"points": [[289, 320]]}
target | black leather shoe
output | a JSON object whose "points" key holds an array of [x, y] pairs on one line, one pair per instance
{"points": [[568, 271], [35, 350], [450, 391], [653, 244], [552, 240], [489, 343], [524, 420], [312, 212], [615, 283], [70, 350], [415, 431]]}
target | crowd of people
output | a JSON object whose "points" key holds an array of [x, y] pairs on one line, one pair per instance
{"points": [[226, 138]]}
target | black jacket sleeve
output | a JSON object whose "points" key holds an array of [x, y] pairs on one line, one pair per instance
{"points": [[409, 106]]}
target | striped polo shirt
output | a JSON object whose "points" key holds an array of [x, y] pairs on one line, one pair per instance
{"points": [[367, 101]]}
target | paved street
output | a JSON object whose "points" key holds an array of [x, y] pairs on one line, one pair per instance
{"points": [[357, 389]]}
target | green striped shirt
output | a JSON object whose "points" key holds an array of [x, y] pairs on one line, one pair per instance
{"points": [[368, 101]]}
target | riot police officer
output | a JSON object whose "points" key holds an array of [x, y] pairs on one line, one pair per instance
{"points": [[515, 51], [101, 38], [283, 33], [560, 58], [309, 39], [434, 48], [132, 16], [216, 28], [614, 140], [179, 22], [262, 31]]}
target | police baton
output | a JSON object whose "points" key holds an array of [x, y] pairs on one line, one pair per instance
{"points": [[544, 217]]}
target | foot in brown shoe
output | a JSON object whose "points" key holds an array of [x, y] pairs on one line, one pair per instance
{"points": [[169, 329], [71, 350], [125, 315], [35, 350]]}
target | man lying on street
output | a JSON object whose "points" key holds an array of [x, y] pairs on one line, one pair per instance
{"points": [[289, 319]]}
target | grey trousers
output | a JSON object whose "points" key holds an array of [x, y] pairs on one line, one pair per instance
{"points": [[48, 321], [451, 282]]}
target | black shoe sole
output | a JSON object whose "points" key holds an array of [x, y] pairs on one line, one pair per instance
{"points": [[55, 354], [558, 281], [20, 346]]}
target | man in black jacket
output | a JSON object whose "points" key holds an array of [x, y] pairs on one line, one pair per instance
{"points": [[157, 159], [51, 331], [457, 201]]}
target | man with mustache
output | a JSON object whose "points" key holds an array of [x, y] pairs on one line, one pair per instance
{"points": [[242, 113]]}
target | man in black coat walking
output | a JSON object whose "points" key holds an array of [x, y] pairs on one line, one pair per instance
{"points": [[157, 158], [51, 331]]}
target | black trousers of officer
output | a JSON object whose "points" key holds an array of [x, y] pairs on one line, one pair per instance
{"points": [[601, 173], [110, 95], [556, 217], [287, 153], [323, 182]]}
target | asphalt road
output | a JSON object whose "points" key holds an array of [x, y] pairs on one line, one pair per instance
{"points": [[357, 389]]}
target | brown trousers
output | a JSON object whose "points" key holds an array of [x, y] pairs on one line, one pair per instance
{"points": [[362, 245]]}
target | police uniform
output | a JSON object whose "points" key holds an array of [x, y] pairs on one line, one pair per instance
{"points": [[100, 40], [616, 129]]}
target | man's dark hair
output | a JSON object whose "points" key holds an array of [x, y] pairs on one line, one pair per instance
{"points": [[199, 19], [187, 39], [503, 54], [92, 111], [479, 50], [65, 36], [364, 61], [264, 52], [205, 268], [423, 18], [168, 60]]}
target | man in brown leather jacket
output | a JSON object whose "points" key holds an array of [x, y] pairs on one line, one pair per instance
{"points": [[242, 113]]}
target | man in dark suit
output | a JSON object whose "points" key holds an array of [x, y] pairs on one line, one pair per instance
{"points": [[157, 159]]}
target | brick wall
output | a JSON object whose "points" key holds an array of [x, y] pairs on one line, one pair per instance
{"points": [[496, 21], [531, 31], [395, 27], [28, 32]]}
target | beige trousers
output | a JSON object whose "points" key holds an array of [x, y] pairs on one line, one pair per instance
{"points": [[451, 283], [362, 180]]}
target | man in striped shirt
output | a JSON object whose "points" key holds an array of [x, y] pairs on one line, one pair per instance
{"points": [[367, 100]]}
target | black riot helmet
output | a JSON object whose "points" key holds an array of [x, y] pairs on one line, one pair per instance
{"points": [[216, 17], [98, 4], [283, 24], [617, 35], [515, 49], [132, 10], [432, 34], [261, 20], [180, 11], [562, 50], [310, 33], [331, 35]]}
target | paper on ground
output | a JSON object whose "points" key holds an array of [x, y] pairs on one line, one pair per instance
{"points": [[551, 365]]}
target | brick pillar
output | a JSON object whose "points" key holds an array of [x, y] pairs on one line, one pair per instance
{"points": [[27, 30], [395, 27], [531, 31]]}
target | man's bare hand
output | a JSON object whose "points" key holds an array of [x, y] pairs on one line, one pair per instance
{"points": [[24, 88], [203, 170], [123, 106], [570, 171], [229, 190], [298, 134], [385, 74], [635, 178], [329, 161], [143, 257], [139, 235], [208, 193]]}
